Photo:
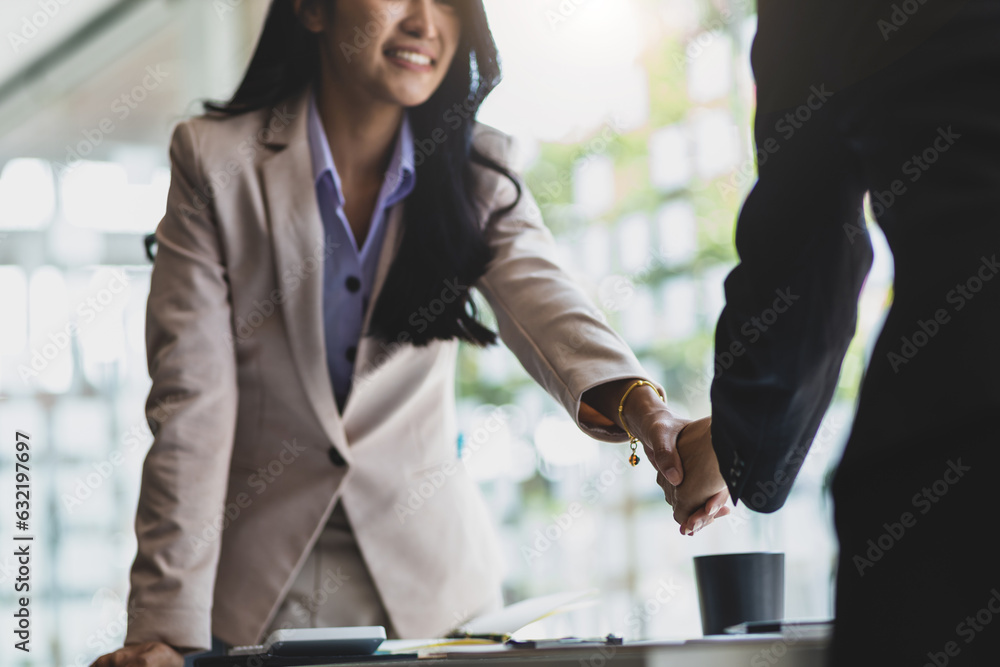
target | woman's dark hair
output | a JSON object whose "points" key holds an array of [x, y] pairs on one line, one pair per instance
{"points": [[443, 248]]}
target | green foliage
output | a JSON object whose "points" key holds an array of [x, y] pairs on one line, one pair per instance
{"points": [[687, 364]]}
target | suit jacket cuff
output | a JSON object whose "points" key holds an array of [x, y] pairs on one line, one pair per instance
{"points": [[189, 629], [734, 468]]}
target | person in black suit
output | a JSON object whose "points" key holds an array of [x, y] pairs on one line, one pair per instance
{"points": [[901, 100]]}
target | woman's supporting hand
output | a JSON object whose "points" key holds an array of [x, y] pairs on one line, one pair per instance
{"points": [[149, 654]]}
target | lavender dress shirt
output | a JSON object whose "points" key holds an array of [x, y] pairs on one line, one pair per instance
{"points": [[349, 271]]}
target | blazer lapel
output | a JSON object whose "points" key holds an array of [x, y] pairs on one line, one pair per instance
{"points": [[296, 230]]}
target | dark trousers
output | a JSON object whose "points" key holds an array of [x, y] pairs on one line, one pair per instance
{"points": [[918, 579]]}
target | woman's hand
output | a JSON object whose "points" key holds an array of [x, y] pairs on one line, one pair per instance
{"points": [[149, 654], [680, 450], [646, 417], [704, 494]]}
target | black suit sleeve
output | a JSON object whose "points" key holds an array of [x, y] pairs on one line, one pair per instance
{"points": [[791, 302]]}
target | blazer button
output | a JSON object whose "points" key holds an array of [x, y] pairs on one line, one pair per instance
{"points": [[336, 458]]}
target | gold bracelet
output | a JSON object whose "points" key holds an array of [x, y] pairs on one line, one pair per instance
{"points": [[634, 441]]}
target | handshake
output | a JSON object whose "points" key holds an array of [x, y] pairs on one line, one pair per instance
{"points": [[688, 472], [680, 451]]}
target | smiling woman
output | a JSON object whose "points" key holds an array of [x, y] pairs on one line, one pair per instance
{"points": [[313, 301], [374, 71], [368, 60]]}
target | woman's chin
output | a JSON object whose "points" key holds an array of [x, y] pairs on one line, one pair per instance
{"points": [[408, 98]]}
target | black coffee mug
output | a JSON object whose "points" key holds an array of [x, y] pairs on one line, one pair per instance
{"points": [[739, 588]]}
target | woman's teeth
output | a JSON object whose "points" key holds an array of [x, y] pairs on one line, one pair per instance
{"points": [[410, 56]]}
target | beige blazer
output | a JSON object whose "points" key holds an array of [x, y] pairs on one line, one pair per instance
{"points": [[239, 480]]}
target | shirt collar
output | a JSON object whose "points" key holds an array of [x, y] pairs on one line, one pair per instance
{"points": [[400, 177]]}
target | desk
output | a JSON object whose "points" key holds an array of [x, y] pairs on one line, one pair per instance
{"points": [[759, 651]]}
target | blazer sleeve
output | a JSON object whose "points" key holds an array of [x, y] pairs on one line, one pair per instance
{"points": [[191, 411], [548, 322], [791, 302]]}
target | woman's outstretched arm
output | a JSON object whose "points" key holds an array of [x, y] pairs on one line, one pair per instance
{"points": [[559, 335]]}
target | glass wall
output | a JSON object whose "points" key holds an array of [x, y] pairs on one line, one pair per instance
{"points": [[632, 118]]}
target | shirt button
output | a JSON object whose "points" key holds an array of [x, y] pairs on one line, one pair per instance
{"points": [[351, 353], [336, 459], [353, 284]]}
